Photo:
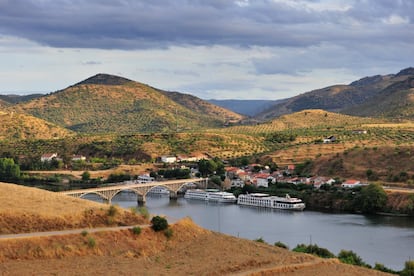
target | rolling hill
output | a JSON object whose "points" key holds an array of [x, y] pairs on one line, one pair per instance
{"points": [[106, 103], [387, 96], [21, 126]]}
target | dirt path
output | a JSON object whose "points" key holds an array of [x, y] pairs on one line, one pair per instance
{"points": [[67, 232]]}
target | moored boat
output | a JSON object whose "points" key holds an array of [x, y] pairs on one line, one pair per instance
{"points": [[276, 202], [222, 197], [210, 195]]}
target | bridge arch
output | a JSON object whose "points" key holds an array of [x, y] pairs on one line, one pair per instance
{"points": [[141, 190]]}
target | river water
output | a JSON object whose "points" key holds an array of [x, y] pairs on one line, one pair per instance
{"points": [[376, 239]]}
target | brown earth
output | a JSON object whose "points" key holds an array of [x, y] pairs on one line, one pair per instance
{"points": [[191, 250]]}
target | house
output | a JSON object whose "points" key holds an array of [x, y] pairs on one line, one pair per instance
{"points": [[351, 183], [168, 159], [318, 181], [329, 139], [237, 183], [48, 157], [77, 157], [233, 172], [262, 179]]}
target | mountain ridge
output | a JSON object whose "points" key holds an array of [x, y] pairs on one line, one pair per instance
{"points": [[348, 99]]}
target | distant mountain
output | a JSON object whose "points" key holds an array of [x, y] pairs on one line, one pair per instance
{"points": [[387, 96], [106, 103], [245, 107], [21, 126], [13, 99], [203, 107]]}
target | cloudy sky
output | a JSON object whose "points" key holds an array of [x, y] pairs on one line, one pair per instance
{"points": [[223, 49]]}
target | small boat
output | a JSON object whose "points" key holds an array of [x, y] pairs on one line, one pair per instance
{"points": [[275, 202]]}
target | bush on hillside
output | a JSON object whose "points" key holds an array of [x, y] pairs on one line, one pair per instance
{"points": [[314, 250], [159, 223], [349, 257]]}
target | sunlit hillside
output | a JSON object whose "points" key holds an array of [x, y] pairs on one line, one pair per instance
{"points": [[110, 104], [20, 126]]}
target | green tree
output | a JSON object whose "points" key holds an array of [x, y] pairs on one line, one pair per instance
{"points": [[8, 169], [408, 269], [159, 223], [207, 167], [86, 176], [372, 199]]}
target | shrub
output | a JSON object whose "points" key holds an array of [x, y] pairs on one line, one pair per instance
{"points": [[112, 211], [383, 268], [84, 233], [281, 245], [261, 240], [159, 223], [349, 257], [168, 233], [136, 230], [91, 242], [315, 250]]}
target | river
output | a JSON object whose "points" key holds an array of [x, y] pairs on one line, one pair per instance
{"points": [[376, 239]]}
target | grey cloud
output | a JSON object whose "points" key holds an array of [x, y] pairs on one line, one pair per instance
{"points": [[129, 24]]}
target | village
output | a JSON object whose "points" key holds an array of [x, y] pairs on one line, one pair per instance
{"points": [[256, 175]]}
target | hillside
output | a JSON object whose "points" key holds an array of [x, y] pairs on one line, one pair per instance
{"points": [[376, 96], [105, 103], [25, 210], [20, 126], [203, 107], [190, 249]]}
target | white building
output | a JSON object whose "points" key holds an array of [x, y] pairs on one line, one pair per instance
{"points": [[168, 159], [47, 157]]}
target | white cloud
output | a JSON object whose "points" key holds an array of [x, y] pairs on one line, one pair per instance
{"points": [[395, 19]]}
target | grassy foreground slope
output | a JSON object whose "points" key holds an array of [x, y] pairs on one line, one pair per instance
{"points": [[25, 209], [190, 251]]}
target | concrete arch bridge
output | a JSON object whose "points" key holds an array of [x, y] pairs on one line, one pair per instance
{"points": [[140, 189]]}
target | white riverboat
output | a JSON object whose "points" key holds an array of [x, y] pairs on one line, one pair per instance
{"points": [[222, 197], [159, 190], [210, 195], [276, 202]]}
